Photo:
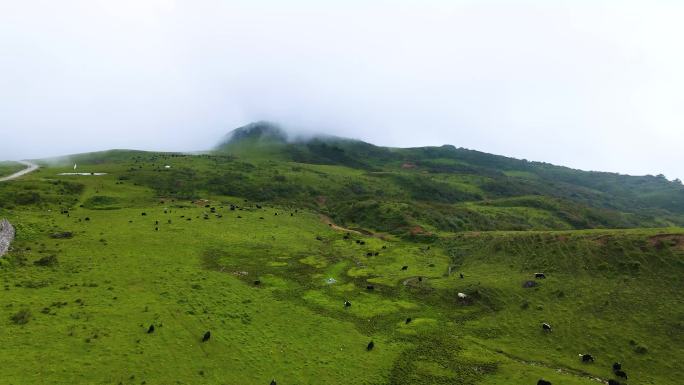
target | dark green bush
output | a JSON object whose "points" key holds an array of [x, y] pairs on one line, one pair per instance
{"points": [[21, 317]]}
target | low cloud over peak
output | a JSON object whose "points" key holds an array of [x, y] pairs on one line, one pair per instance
{"points": [[593, 85]]}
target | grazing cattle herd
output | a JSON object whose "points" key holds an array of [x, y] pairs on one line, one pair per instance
{"points": [[462, 297]]}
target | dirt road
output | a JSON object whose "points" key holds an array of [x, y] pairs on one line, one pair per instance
{"points": [[30, 167]]}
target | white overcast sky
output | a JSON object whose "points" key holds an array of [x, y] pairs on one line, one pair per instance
{"points": [[593, 84]]}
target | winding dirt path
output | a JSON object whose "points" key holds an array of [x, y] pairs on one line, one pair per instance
{"points": [[332, 225], [30, 167]]}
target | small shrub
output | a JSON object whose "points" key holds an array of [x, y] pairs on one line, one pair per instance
{"points": [[21, 317], [62, 235], [50, 260], [27, 198]]}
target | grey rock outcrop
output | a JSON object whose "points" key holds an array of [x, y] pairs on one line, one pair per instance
{"points": [[6, 236]]}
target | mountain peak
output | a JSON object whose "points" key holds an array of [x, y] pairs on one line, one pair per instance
{"points": [[262, 131]]}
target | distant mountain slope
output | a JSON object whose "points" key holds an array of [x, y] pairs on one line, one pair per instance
{"points": [[415, 192], [474, 190]]}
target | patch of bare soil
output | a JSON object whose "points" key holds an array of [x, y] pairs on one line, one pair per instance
{"points": [[660, 241], [332, 225], [356, 231], [602, 240]]}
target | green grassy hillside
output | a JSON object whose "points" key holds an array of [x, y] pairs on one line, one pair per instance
{"points": [[98, 259], [453, 189]]}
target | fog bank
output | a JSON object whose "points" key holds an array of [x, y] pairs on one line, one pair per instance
{"points": [[591, 85]]}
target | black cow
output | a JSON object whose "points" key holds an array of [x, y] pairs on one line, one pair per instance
{"points": [[586, 357], [546, 327], [539, 275], [460, 275], [257, 282], [150, 330], [206, 337], [369, 254], [143, 214], [370, 287], [617, 366], [408, 320], [620, 373], [543, 382], [273, 382], [614, 382], [370, 346], [156, 222], [376, 254], [156, 229], [404, 267], [347, 303]]}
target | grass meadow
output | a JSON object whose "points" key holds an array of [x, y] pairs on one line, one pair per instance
{"points": [[94, 266]]}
